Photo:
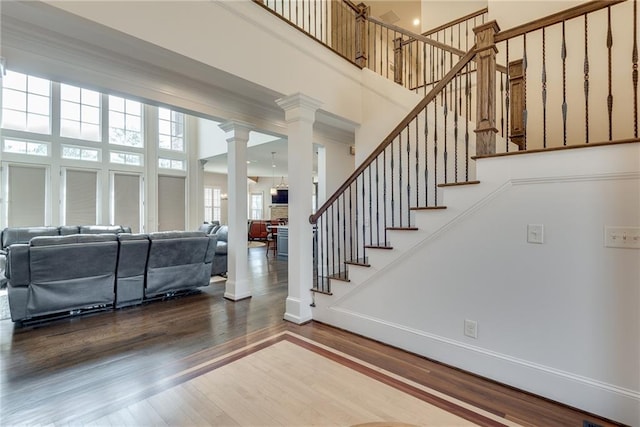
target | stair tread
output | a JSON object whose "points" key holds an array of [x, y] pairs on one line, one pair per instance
{"points": [[455, 184], [343, 277], [358, 262], [402, 228], [427, 208], [320, 291], [378, 247]]}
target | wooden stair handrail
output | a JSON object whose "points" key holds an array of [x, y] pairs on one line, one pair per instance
{"points": [[555, 18], [456, 21], [352, 5], [468, 57], [413, 36]]}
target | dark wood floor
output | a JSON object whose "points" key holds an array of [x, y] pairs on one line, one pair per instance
{"points": [[74, 370]]}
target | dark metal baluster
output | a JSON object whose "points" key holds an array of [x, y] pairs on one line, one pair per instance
{"points": [[325, 243], [524, 84], [393, 200], [426, 157], [400, 178], [446, 152], [417, 162], [544, 88], [384, 189], [467, 97], [364, 223], [377, 202], [344, 233], [333, 239], [337, 203], [450, 62], [586, 80], [350, 223], [634, 73], [563, 55], [610, 96], [387, 49], [370, 208], [506, 98], [357, 227], [455, 133], [409, 48], [320, 264], [502, 108], [435, 152], [408, 176], [315, 19]]}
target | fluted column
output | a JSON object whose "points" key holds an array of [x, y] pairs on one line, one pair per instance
{"points": [[300, 113], [237, 135]]}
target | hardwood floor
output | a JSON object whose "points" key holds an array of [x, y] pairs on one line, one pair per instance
{"points": [[80, 369]]}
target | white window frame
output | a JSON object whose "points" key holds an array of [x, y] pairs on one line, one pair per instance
{"points": [[26, 110], [256, 214], [4, 166], [80, 120], [81, 148], [125, 129]]}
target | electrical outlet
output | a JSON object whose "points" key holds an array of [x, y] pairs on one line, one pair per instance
{"points": [[622, 237], [471, 328]]}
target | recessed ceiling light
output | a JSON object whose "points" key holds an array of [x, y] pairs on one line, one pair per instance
{"points": [[248, 161], [416, 22]]}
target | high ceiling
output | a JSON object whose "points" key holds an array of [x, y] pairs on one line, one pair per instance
{"points": [[397, 12]]}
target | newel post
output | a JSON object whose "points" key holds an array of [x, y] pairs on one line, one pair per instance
{"points": [[361, 35], [486, 98]]}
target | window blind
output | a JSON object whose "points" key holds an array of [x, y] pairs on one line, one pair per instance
{"points": [[171, 203], [27, 192], [80, 197], [126, 201]]}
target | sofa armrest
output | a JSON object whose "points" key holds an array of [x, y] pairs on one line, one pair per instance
{"points": [[211, 248], [17, 268]]}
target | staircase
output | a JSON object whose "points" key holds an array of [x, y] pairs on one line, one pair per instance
{"points": [[434, 228]]}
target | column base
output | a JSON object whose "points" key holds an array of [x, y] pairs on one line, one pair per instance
{"points": [[298, 311], [236, 291]]}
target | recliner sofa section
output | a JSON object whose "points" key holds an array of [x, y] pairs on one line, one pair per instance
{"points": [[52, 274], [61, 273], [13, 235]]}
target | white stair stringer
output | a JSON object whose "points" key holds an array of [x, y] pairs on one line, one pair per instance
{"points": [[543, 310]]}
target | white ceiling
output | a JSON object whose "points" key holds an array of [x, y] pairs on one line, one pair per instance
{"points": [[258, 156], [405, 10]]}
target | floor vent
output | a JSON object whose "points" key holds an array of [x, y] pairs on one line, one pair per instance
{"points": [[586, 423]]}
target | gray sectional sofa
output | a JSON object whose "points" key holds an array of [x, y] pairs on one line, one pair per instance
{"points": [[62, 273], [219, 266]]}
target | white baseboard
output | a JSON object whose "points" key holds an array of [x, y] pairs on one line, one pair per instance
{"points": [[590, 395]]}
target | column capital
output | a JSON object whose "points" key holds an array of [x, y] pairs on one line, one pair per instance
{"points": [[236, 130], [299, 107]]}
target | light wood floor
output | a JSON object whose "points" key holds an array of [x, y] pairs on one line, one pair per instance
{"points": [[146, 365]]}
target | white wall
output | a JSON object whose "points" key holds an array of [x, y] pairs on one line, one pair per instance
{"points": [[560, 319], [511, 13], [438, 12], [239, 38]]}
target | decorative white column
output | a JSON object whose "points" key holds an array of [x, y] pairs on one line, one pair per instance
{"points": [[238, 286], [300, 111]]}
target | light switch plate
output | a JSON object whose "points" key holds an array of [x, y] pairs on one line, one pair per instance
{"points": [[622, 237], [535, 233]]}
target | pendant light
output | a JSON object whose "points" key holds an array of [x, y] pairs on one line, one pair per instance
{"points": [[273, 190]]}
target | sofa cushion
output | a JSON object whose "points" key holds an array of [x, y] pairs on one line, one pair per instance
{"points": [[12, 235], [98, 229], [221, 248], [73, 238], [222, 233], [65, 230], [206, 228]]}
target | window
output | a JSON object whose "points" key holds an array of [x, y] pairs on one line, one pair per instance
{"points": [[171, 164], [80, 153], [79, 113], [125, 122], [255, 206], [212, 204], [25, 147], [26, 103], [125, 158], [170, 130]]}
